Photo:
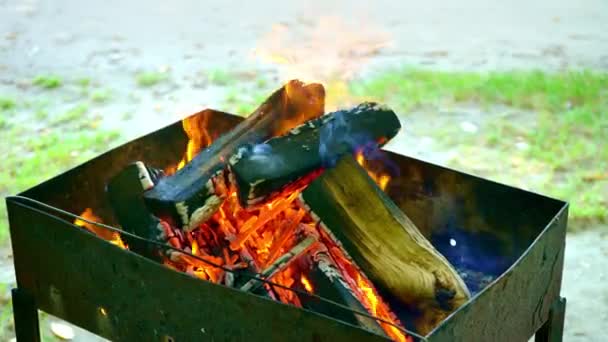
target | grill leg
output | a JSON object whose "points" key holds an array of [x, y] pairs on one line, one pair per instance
{"points": [[553, 329], [25, 312]]}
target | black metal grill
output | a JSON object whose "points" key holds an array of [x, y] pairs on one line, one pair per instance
{"points": [[482, 227]]}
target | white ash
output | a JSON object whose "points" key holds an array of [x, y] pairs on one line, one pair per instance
{"points": [[182, 211], [144, 176]]}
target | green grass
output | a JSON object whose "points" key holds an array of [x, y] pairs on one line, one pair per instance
{"points": [[566, 128], [47, 81], [150, 78], [101, 95], [6, 103], [75, 114], [534, 90], [221, 77], [83, 82]]}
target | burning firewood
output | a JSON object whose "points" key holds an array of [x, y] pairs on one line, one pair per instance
{"points": [[384, 243], [281, 263], [124, 193], [264, 170], [328, 281], [190, 196]]}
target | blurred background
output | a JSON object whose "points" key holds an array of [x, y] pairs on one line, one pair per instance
{"points": [[514, 91]]}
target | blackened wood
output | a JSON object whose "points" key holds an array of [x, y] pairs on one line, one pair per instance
{"points": [[190, 195], [265, 170], [125, 194], [327, 282], [384, 243]]}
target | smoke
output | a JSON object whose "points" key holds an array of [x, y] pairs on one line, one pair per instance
{"points": [[262, 154], [337, 138]]}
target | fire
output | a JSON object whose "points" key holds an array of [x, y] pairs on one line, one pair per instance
{"points": [[332, 51], [254, 239], [195, 127], [366, 292], [381, 178], [106, 234], [306, 283]]}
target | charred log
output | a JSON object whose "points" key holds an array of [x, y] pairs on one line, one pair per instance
{"points": [[328, 283], [384, 243], [190, 195], [280, 264], [125, 194], [266, 169]]}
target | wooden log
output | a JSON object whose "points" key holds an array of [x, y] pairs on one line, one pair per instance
{"points": [[265, 170], [383, 242], [280, 264], [327, 282], [190, 195], [125, 194]]}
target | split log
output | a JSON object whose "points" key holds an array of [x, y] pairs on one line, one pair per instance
{"points": [[190, 195], [260, 174], [383, 242], [327, 282], [125, 194]]}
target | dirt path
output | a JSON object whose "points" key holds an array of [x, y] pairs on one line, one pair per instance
{"points": [[109, 42]]}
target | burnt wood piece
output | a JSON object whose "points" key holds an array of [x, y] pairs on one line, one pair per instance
{"points": [[327, 282], [263, 171], [190, 196], [125, 194], [384, 243], [280, 264]]}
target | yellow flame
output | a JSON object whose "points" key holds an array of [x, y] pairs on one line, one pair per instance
{"points": [[194, 247], [306, 284]]}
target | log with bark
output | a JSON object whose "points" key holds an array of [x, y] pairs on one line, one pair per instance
{"points": [[280, 264], [327, 281], [384, 243], [190, 196], [265, 170], [125, 194]]}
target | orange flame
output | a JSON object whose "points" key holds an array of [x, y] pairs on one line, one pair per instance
{"points": [[366, 292], [381, 178], [195, 127], [105, 234]]}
